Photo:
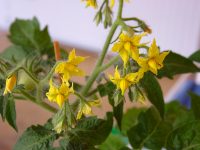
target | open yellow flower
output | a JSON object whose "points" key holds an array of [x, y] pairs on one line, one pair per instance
{"points": [[91, 3], [85, 107], [123, 83], [127, 46], [59, 94], [155, 59], [70, 67], [10, 84]]}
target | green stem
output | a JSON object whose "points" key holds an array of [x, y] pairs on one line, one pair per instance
{"points": [[96, 73], [40, 103], [120, 8], [50, 74], [106, 44]]}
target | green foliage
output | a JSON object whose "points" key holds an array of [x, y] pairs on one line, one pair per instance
{"points": [[147, 123], [113, 142], [177, 64], [115, 99], [195, 100], [195, 56], [14, 52], [7, 110], [27, 34], [130, 118], [185, 137], [89, 132], [36, 137], [153, 92]]}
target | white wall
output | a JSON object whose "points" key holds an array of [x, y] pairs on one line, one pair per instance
{"points": [[175, 23]]}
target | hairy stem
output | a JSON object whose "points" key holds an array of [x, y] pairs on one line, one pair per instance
{"points": [[98, 68], [40, 103]]}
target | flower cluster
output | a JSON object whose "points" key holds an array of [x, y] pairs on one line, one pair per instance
{"points": [[128, 48], [60, 94]]}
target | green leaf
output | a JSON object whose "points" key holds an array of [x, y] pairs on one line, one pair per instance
{"points": [[147, 124], [130, 119], [177, 114], [27, 33], [118, 113], [11, 112], [14, 52], [7, 110], [177, 64], [195, 56], [89, 132], [113, 142], [159, 137], [195, 100], [185, 137], [153, 91], [115, 100], [36, 137]]}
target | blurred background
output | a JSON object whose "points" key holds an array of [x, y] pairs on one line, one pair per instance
{"points": [[175, 25]]}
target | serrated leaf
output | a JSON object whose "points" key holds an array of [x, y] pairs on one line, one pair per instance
{"points": [[36, 137], [185, 137], [153, 91], [14, 52], [147, 124], [113, 142], [159, 137], [195, 56], [27, 33], [177, 64], [177, 114], [130, 118], [89, 132], [195, 100]]}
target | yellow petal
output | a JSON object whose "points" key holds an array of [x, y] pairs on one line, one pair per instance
{"points": [[153, 50], [143, 63], [94, 102], [125, 56], [161, 58], [10, 84], [112, 3], [127, 46], [117, 47], [60, 67], [134, 53], [152, 66], [117, 74], [123, 85], [60, 100], [87, 110], [124, 37], [135, 77], [73, 59]]}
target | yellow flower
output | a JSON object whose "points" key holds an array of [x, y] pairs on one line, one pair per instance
{"points": [[127, 46], [123, 83], [59, 95], [91, 3], [155, 59], [70, 67], [10, 84], [85, 107], [112, 3]]}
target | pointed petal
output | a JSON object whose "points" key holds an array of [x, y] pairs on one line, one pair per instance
{"points": [[60, 100], [161, 58], [153, 50], [124, 55]]}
